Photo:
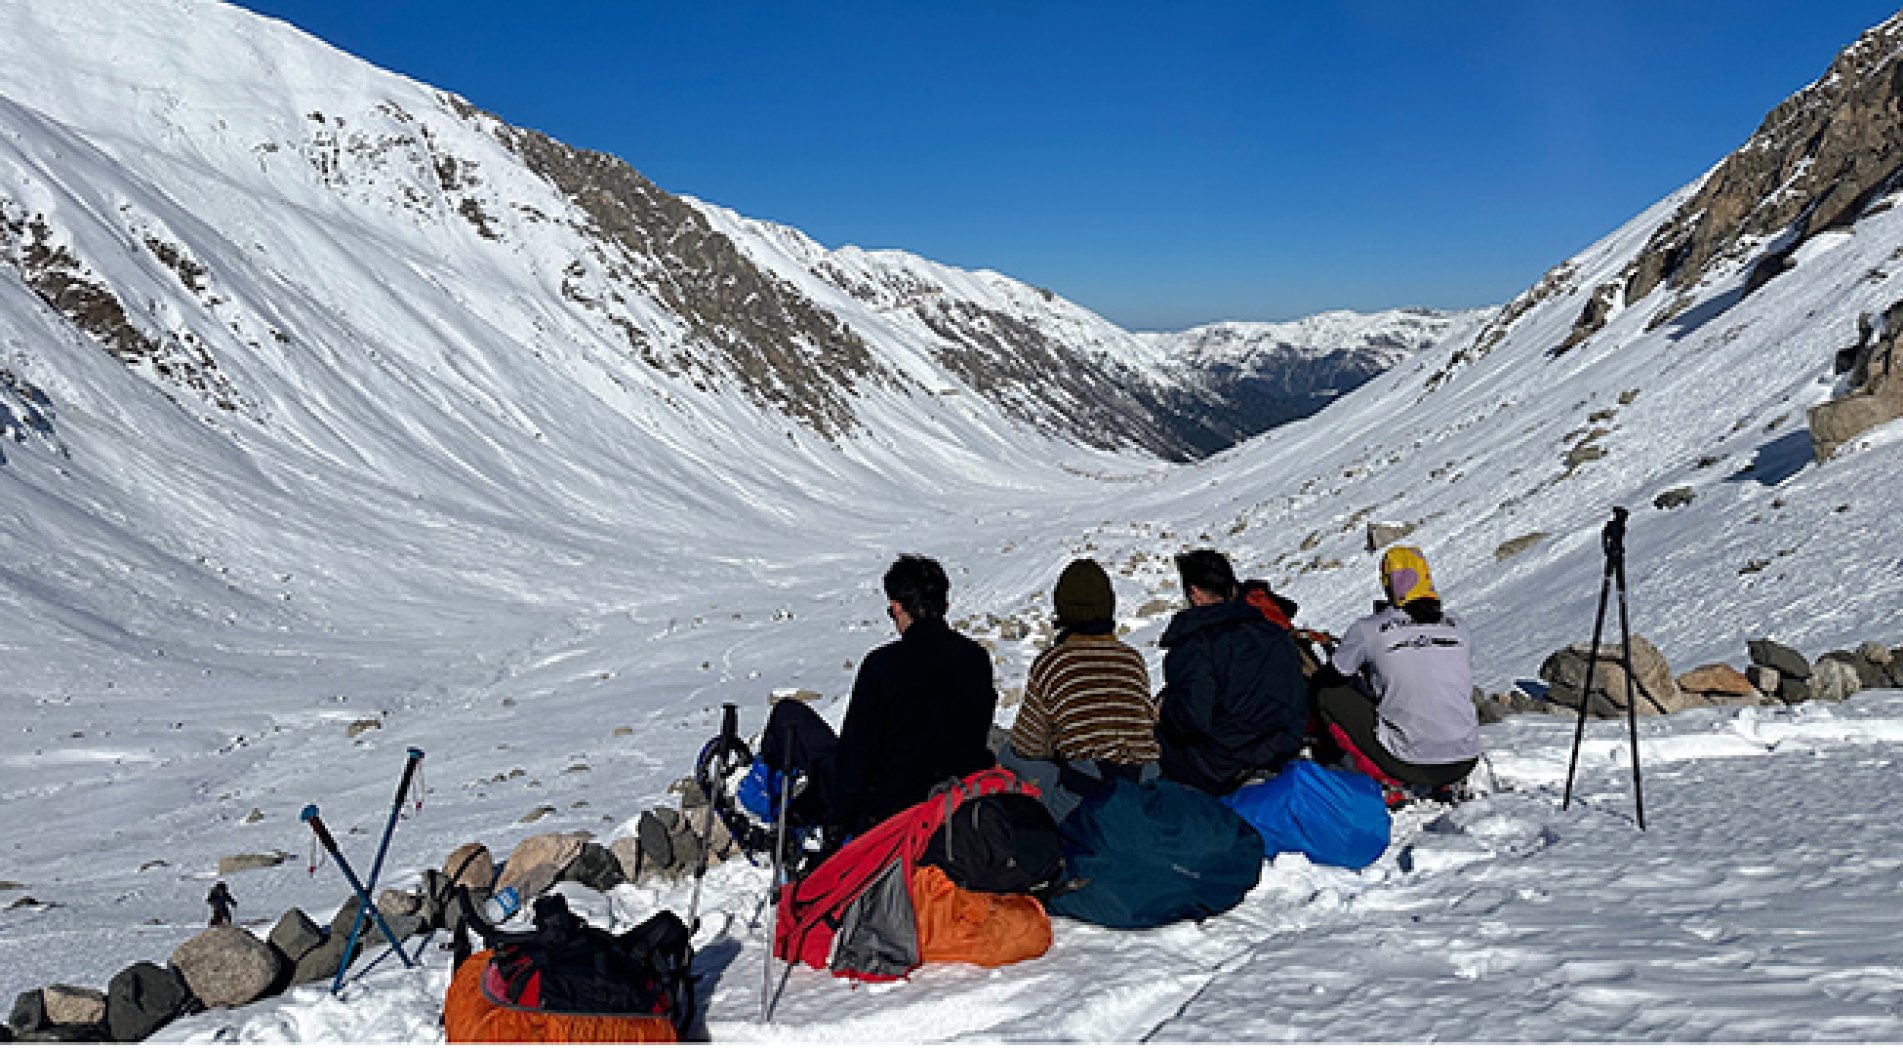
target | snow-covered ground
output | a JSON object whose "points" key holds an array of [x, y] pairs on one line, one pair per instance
{"points": [[1759, 903], [448, 512]]}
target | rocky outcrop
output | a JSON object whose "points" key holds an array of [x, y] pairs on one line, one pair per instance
{"points": [[1817, 161], [1653, 685], [1873, 387]]}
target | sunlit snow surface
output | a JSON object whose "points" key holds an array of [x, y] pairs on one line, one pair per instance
{"points": [[456, 509], [1760, 903]]}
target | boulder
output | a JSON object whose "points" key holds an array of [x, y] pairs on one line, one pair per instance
{"points": [[29, 1013], [436, 891], [627, 851], [1876, 653], [1788, 662], [1834, 680], [595, 867], [74, 1005], [535, 862], [227, 966], [1716, 678], [395, 902], [404, 925], [253, 861], [1565, 672], [1869, 673], [1491, 709], [1382, 534], [296, 935], [720, 843], [141, 999], [472, 867], [654, 831], [1793, 690], [1763, 678]]}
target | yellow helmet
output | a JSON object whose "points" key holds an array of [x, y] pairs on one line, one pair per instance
{"points": [[1404, 575]]}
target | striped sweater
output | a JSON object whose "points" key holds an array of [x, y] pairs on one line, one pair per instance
{"points": [[1088, 698]]}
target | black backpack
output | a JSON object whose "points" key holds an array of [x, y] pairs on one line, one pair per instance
{"points": [[1005, 843], [566, 965]]}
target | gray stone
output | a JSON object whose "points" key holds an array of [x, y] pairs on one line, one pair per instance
{"points": [[1763, 678], [227, 966], [296, 935], [627, 851], [1382, 534], [596, 867], [29, 1012], [74, 1005], [395, 902], [1834, 680], [1792, 690], [1787, 661], [257, 861], [657, 841], [141, 999], [1869, 674], [1657, 692], [534, 863], [436, 891], [403, 925], [471, 866], [1674, 498], [1876, 653]]}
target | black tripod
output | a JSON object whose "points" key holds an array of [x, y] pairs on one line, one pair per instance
{"points": [[1612, 539]]}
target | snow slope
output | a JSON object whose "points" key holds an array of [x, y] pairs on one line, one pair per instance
{"points": [[451, 506]]}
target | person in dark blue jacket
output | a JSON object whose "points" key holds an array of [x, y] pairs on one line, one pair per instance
{"points": [[1234, 704]]}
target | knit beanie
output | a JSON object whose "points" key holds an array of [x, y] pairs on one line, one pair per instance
{"points": [[1083, 594], [1404, 575]]}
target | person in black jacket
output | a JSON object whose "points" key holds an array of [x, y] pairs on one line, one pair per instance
{"points": [[921, 706], [1234, 704]]}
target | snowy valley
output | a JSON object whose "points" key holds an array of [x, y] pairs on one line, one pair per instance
{"points": [[339, 417]]}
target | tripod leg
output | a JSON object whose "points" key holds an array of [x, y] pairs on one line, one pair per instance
{"points": [[1585, 689], [1631, 701]]}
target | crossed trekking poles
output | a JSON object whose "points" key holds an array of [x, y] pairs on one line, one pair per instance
{"points": [[1612, 541], [366, 902]]}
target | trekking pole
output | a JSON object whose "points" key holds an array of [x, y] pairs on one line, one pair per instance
{"points": [[710, 775], [363, 895], [1612, 542], [772, 895], [376, 867]]}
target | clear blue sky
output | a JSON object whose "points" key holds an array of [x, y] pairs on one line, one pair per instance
{"points": [[1163, 163]]}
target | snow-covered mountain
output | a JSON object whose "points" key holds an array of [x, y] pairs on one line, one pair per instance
{"points": [[1266, 374], [339, 417]]}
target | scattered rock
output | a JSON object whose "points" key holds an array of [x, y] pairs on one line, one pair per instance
{"points": [[395, 902], [74, 1005], [295, 935], [1565, 671], [1869, 649], [622, 730], [1763, 678], [141, 999], [540, 812], [257, 815], [596, 867], [227, 966], [1834, 680], [253, 861], [1382, 534], [470, 866], [1716, 678], [1793, 690], [1154, 607], [1674, 498], [1787, 661], [358, 727], [29, 1013], [627, 852], [1515, 547], [534, 863]]}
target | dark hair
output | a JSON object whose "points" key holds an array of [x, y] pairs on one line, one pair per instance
{"points": [[919, 585], [1207, 570], [1424, 610]]}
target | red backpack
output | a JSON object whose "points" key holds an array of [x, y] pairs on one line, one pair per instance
{"points": [[854, 915]]}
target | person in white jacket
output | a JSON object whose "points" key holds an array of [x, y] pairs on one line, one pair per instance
{"points": [[1397, 693]]}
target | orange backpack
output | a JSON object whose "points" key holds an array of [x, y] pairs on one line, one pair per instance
{"points": [[975, 927]]}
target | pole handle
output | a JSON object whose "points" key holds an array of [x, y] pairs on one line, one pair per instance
{"points": [[318, 828], [409, 772]]}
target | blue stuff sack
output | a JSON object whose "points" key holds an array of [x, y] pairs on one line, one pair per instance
{"points": [[1336, 818], [759, 791]]}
